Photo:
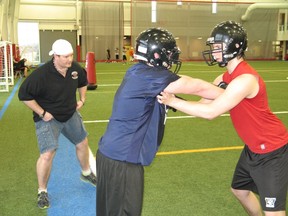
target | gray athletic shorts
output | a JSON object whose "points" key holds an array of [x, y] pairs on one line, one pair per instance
{"points": [[48, 132], [264, 174]]}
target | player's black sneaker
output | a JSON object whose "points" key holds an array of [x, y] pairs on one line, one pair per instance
{"points": [[92, 179], [43, 200]]}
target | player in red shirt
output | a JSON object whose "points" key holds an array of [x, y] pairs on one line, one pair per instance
{"points": [[263, 165]]}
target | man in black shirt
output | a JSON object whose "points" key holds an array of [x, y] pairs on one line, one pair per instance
{"points": [[50, 93]]}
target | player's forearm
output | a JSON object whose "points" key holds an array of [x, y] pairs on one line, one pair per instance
{"points": [[192, 108], [189, 85], [82, 93], [210, 91], [33, 105]]}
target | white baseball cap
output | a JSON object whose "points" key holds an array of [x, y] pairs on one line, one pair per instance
{"points": [[61, 47]]}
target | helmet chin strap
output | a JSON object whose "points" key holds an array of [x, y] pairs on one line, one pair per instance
{"points": [[222, 64], [166, 65]]}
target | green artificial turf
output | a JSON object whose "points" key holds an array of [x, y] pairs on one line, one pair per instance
{"points": [[192, 183]]}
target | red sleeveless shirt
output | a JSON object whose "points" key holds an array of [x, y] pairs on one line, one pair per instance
{"points": [[253, 120]]}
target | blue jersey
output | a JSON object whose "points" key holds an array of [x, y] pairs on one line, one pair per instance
{"points": [[136, 126]]}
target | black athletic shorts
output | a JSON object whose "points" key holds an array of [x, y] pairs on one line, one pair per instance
{"points": [[264, 174], [120, 187]]}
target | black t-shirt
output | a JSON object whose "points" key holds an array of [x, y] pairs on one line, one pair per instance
{"points": [[20, 65], [53, 92]]}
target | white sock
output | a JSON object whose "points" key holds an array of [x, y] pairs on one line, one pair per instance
{"points": [[41, 190], [86, 172]]}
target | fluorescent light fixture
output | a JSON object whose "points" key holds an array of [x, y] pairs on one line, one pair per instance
{"points": [[214, 6], [179, 2], [153, 11]]}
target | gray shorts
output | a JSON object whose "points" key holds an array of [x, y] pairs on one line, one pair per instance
{"points": [[48, 132]]}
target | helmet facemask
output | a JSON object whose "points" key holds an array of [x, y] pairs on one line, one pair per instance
{"points": [[223, 48], [208, 57], [174, 59]]}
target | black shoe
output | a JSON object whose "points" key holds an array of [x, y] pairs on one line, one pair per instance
{"points": [[43, 200], [92, 179]]}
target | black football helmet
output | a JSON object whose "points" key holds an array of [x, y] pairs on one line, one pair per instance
{"points": [[157, 47], [233, 38]]}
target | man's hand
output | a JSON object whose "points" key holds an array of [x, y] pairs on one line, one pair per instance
{"points": [[165, 98], [80, 104], [47, 117]]}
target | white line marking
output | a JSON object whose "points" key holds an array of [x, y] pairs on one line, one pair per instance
{"points": [[267, 81], [175, 117]]}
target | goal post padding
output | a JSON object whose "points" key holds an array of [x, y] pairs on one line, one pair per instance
{"points": [[6, 66]]}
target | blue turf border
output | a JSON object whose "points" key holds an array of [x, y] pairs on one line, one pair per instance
{"points": [[68, 194], [8, 101]]}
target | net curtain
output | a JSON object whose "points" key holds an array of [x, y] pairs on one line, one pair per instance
{"points": [[102, 28], [191, 23]]}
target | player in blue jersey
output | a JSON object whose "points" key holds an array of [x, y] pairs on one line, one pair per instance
{"points": [[136, 126]]}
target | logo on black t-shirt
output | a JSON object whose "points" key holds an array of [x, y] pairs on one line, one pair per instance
{"points": [[74, 75]]}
